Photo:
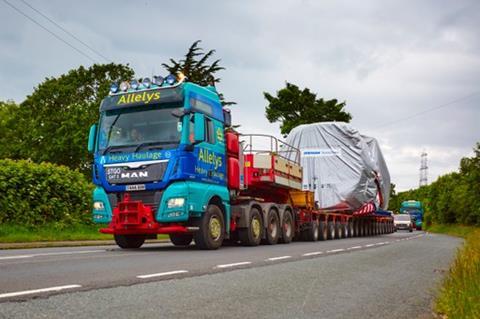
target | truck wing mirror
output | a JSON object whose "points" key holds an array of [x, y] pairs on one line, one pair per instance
{"points": [[91, 138], [199, 127], [227, 117]]}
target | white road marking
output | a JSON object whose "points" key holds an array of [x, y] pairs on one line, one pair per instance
{"points": [[278, 258], [370, 245], [355, 247], [234, 264], [52, 254], [34, 291], [160, 274], [313, 253], [335, 250], [16, 257]]}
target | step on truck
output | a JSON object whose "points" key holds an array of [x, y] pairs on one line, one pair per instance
{"points": [[168, 161]]}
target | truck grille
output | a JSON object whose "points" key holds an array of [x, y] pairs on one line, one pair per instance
{"points": [[150, 198]]}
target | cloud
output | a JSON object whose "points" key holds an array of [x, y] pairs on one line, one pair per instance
{"points": [[389, 61]]}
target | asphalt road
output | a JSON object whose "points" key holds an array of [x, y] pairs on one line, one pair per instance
{"points": [[391, 276]]}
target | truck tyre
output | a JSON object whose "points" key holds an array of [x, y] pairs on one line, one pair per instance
{"points": [[322, 231], [287, 228], [211, 229], [350, 229], [252, 235], [311, 234], [331, 230], [338, 230], [181, 239], [272, 229], [129, 241]]}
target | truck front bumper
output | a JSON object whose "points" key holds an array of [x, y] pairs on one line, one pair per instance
{"points": [[133, 217]]}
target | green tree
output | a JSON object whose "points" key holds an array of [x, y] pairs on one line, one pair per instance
{"points": [[53, 121], [195, 67], [8, 128], [292, 107]]}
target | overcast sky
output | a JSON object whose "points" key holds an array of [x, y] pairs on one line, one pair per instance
{"points": [[389, 60]]}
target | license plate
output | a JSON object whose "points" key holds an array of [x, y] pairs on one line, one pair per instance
{"points": [[136, 187]]}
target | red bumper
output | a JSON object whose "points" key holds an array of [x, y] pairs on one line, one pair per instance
{"points": [[133, 217]]}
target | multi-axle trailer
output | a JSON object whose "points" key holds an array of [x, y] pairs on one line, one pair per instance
{"points": [[167, 161]]}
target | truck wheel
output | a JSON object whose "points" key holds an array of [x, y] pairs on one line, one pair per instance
{"points": [[181, 239], [129, 241], [211, 229], [273, 228], [338, 230], [331, 230], [311, 234], [287, 228], [322, 231], [252, 235]]}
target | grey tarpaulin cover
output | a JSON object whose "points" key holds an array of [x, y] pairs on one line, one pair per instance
{"points": [[339, 164]]}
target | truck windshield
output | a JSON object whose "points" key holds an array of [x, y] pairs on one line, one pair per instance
{"points": [[138, 129]]}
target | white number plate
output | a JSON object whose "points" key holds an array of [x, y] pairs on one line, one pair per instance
{"points": [[136, 187]]}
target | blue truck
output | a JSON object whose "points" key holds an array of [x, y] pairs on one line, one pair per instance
{"points": [[415, 209], [166, 160]]}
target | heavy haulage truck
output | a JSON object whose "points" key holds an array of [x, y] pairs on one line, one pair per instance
{"points": [[168, 161]]}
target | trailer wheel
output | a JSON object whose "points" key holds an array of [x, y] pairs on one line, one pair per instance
{"points": [[356, 231], [181, 239], [273, 228], [350, 229], [338, 230], [311, 234], [211, 229], [129, 241], [331, 230], [322, 231], [344, 230], [252, 235], [287, 228]]}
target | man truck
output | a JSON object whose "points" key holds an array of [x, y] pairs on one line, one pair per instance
{"points": [[168, 161]]}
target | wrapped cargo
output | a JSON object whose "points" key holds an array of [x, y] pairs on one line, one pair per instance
{"points": [[341, 166]]}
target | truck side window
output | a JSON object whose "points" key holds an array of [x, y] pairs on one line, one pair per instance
{"points": [[209, 136]]}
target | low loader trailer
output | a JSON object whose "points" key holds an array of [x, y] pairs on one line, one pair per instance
{"points": [[168, 161]]}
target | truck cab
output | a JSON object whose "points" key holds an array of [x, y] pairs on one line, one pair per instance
{"points": [[415, 210], [160, 163]]}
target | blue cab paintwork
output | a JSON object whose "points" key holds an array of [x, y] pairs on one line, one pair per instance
{"points": [[197, 175]]}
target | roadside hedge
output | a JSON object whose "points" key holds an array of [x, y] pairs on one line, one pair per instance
{"points": [[35, 194]]}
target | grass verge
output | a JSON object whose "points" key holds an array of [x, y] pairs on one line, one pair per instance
{"points": [[50, 232], [460, 292]]}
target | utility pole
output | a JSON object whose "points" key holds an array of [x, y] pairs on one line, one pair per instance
{"points": [[423, 169]]}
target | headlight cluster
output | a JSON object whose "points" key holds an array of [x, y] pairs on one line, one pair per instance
{"points": [[176, 202], [98, 206]]}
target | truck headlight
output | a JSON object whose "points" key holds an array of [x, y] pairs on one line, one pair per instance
{"points": [[98, 206], [176, 202]]}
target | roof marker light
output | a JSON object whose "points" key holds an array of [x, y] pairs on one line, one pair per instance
{"points": [[114, 87], [134, 84], [180, 76], [146, 82], [158, 79], [170, 79], [124, 86]]}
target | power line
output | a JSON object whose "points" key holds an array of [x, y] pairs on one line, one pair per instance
{"points": [[431, 109], [52, 33], [66, 31]]}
